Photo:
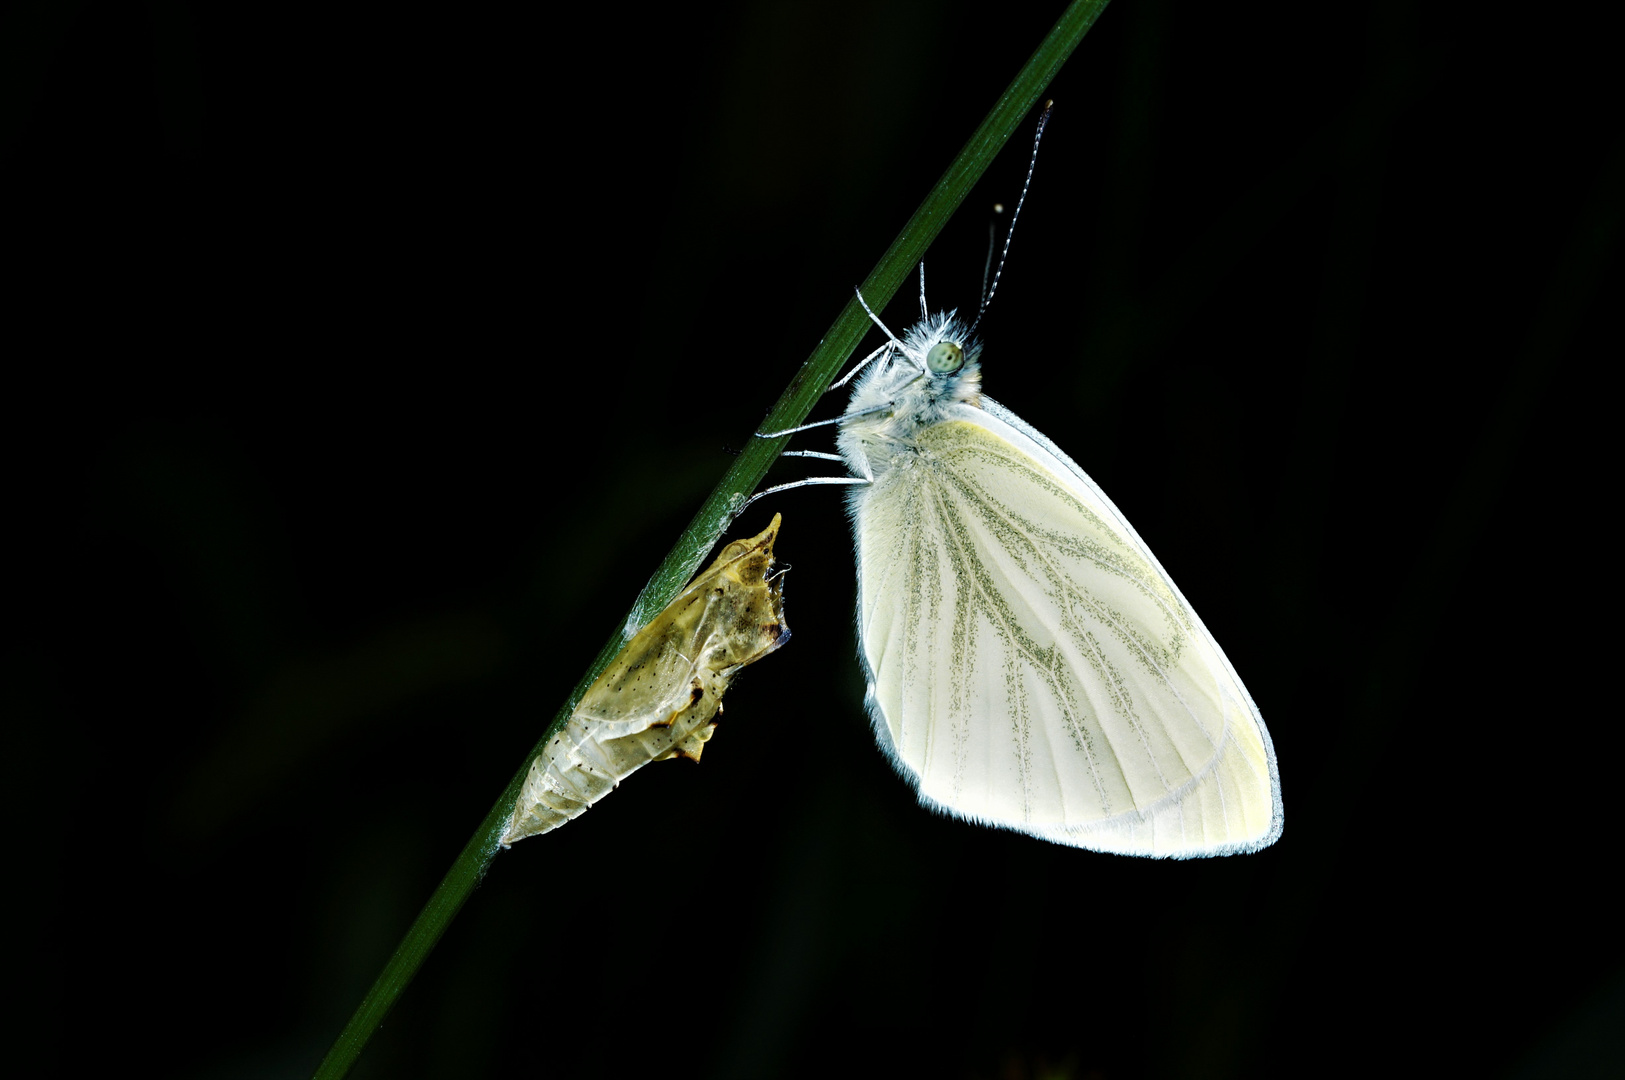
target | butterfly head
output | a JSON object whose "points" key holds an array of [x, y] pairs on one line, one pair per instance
{"points": [[935, 367], [940, 347]]}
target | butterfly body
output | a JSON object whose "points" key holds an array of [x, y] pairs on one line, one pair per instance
{"points": [[871, 441], [1030, 663]]}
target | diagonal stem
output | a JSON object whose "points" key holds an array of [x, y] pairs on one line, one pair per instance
{"points": [[737, 483]]}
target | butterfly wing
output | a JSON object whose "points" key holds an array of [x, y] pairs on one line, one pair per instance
{"points": [[1032, 666]]}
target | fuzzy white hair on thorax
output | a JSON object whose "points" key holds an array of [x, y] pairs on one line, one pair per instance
{"points": [[900, 396]]}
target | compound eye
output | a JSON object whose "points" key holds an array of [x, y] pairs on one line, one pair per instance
{"points": [[945, 358]]}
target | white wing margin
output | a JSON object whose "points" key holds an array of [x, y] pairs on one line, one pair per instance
{"points": [[1031, 665]]}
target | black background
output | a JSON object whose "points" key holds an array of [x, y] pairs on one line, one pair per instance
{"points": [[363, 361]]}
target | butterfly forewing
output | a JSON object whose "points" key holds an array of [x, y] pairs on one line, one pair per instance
{"points": [[1031, 665]]}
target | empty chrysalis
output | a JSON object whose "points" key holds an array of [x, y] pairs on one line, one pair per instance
{"points": [[657, 698]]}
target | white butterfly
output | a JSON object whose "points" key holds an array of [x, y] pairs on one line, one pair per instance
{"points": [[1031, 665]]}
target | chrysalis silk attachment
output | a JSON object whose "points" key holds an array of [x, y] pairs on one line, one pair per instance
{"points": [[656, 700]]}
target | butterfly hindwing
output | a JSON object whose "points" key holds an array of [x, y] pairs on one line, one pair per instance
{"points": [[1031, 665]]}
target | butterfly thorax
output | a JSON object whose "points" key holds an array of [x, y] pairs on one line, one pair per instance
{"points": [[902, 395]]}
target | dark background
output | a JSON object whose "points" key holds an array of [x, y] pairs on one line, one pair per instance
{"points": [[363, 361]]}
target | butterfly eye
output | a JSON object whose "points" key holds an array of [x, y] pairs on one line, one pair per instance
{"points": [[945, 358]]}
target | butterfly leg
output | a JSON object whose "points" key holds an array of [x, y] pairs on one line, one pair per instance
{"points": [[844, 379], [876, 318], [809, 482], [825, 423]]}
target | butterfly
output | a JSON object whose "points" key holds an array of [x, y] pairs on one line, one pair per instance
{"points": [[1030, 663], [656, 700]]}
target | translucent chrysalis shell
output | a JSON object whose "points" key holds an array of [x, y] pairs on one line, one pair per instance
{"points": [[657, 698]]}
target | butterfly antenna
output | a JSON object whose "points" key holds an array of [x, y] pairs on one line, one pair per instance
{"points": [[923, 312], [992, 246], [987, 297]]}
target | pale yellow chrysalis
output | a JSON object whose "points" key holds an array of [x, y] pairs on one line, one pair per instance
{"points": [[657, 698]]}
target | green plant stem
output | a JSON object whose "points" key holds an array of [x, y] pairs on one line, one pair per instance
{"points": [[737, 483]]}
